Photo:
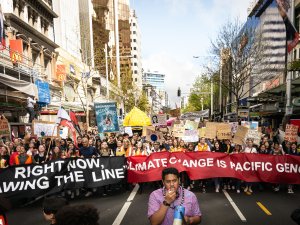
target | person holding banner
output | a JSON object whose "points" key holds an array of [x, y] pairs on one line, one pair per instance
{"points": [[23, 158], [202, 146], [163, 201], [249, 149]]}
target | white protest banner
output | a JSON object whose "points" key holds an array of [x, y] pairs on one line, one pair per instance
{"points": [[291, 133], [224, 131], [154, 135], [159, 119], [191, 136], [191, 125], [45, 129]]}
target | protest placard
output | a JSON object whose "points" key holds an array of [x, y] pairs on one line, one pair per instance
{"points": [[211, 130], [291, 133], [201, 132], [4, 126], [178, 130], [154, 135], [224, 131], [190, 136], [240, 135], [255, 136], [45, 129], [159, 119], [191, 125]]}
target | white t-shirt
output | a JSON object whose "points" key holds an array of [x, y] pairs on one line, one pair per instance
{"points": [[250, 150]]}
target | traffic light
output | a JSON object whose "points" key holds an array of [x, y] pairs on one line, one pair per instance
{"points": [[178, 92]]}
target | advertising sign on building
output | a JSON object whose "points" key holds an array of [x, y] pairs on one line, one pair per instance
{"points": [[43, 92], [107, 117]]}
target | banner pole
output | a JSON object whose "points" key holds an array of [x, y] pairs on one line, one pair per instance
{"points": [[55, 126]]}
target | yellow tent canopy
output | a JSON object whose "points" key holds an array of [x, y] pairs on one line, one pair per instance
{"points": [[136, 118]]}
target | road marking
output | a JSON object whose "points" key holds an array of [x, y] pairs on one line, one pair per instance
{"points": [[126, 205], [263, 208], [234, 206]]}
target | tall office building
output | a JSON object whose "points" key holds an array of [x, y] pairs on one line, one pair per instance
{"points": [[265, 17], [136, 61], [154, 79], [104, 33], [67, 26]]}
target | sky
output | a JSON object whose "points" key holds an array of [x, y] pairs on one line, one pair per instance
{"points": [[173, 31]]}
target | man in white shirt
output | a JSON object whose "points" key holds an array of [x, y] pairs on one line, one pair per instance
{"points": [[30, 108]]}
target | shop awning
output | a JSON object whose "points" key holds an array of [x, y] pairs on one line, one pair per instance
{"points": [[20, 85]]}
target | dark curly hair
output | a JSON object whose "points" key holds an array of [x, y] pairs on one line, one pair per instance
{"points": [[77, 215]]}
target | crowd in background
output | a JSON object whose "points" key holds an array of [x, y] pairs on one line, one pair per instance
{"points": [[32, 150]]}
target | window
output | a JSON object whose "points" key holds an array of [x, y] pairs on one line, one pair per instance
{"points": [[135, 79], [133, 24], [134, 32], [135, 56], [135, 64], [135, 72], [134, 40], [134, 48]]}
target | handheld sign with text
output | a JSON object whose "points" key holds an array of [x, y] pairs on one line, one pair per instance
{"points": [[291, 133], [4, 126], [240, 135], [224, 131], [178, 130], [45, 129], [154, 136], [159, 119], [211, 130]]}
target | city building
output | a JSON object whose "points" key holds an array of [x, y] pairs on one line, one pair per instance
{"points": [[156, 79], [136, 60], [29, 58], [154, 86]]}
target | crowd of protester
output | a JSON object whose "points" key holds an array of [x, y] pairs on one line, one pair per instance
{"points": [[32, 150]]}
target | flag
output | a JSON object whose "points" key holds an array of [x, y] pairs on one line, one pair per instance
{"points": [[75, 122], [62, 115], [69, 124], [64, 119], [292, 36], [2, 31]]}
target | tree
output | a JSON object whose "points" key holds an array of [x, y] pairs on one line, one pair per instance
{"points": [[240, 56], [143, 103], [200, 94]]}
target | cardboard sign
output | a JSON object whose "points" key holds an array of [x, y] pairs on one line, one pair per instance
{"points": [[240, 135], [178, 130], [144, 132], [291, 133], [159, 119], [154, 136], [254, 135], [191, 136], [45, 129], [191, 125], [224, 131], [245, 124], [201, 132], [4, 126], [211, 130], [175, 112]]}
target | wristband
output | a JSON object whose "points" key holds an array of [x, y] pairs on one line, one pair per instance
{"points": [[166, 204]]}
